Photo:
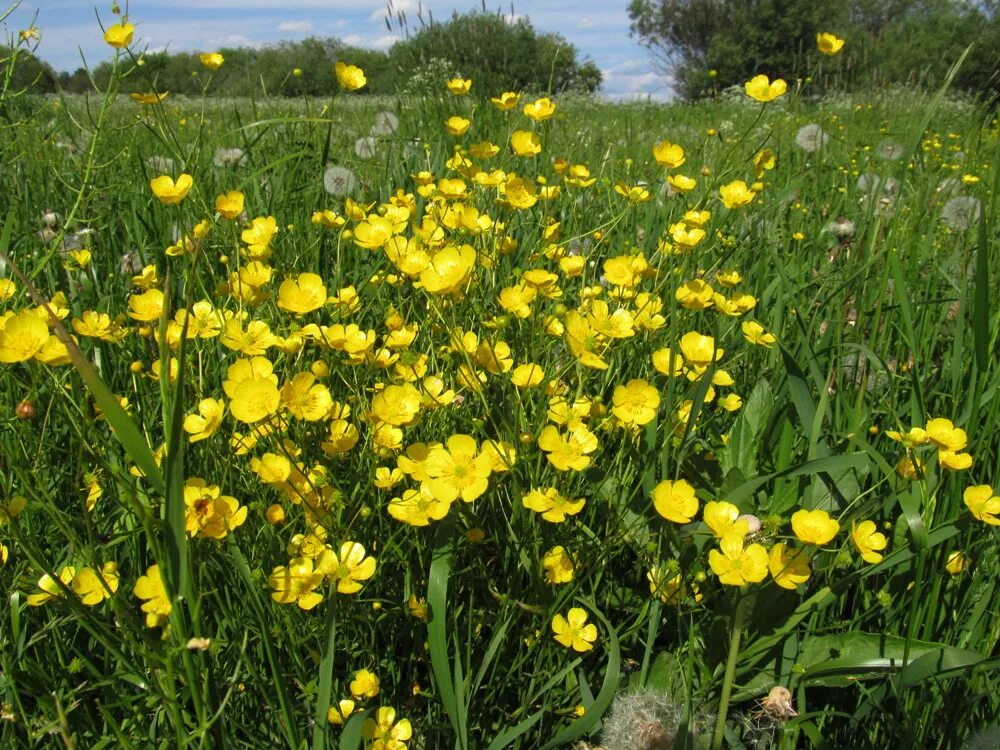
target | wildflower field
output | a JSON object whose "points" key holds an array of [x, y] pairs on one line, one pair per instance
{"points": [[498, 420]]}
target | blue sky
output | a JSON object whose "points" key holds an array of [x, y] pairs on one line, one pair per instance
{"points": [[69, 27]]}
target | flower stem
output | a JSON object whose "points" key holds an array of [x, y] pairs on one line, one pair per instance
{"points": [[727, 681]]}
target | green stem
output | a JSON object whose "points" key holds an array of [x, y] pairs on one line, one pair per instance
{"points": [[727, 682], [326, 672]]}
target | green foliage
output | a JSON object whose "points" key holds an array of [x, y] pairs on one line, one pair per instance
{"points": [[898, 42], [498, 55]]}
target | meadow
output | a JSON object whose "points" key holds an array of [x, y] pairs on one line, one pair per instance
{"points": [[498, 420]]}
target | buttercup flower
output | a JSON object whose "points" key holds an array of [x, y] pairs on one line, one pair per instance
{"points": [[814, 527], [982, 503], [675, 501], [540, 109], [868, 541], [789, 567], [829, 44], [669, 155], [208, 513], [763, 89], [736, 564], [573, 631], [348, 568], [458, 471], [155, 603], [383, 732], [635, 403], [93, 587], [350, 77], [296, 583], [170, 192], [558, 565], [211, 60], [551, 504], [119, 35], [365, 684]]}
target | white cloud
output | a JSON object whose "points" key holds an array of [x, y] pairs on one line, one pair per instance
{"points": [[584, 23], [295, 27], [409, 7], [354, 40], [384, 42]]}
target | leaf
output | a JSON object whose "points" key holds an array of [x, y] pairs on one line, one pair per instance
{"points": [[839, 659], [437, 632]]}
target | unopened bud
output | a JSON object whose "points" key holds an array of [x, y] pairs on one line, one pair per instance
{"points": [[25, 410]]}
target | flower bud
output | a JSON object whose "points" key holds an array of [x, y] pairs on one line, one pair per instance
{"points": [[25, 410]]}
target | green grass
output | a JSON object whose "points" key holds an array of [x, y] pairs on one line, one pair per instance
{"points": [[880, 329]]}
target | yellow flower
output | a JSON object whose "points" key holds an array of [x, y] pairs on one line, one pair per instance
{"points": [[460, 471], [983, 504], [252, 387], [296, 583], [681, 183], [736, 194], [669, 155], [736, 564], [789, 567], [868, 541], [7, 289], [559, 566], [211, 60], [303, 294], [699, 349], [418, 507], [671, 590], [829, 44], [50, 589], [553, 506], [146, 307], [957, 562], [350, 77], [456, 125], [119, 35], [573, 631], [397, 404], [305, 398], [150, 98], [348, 568], [209, 514], [568, 452], [540, 109], [338, 714], [459, 86], [229, 205], [22, 336], [156, 604], [525, 143], [169, 192], [675, 501], [506, 101], [814, 527], [206, 422], [93, 587], [754, 333], [527, 376], [385, 733], [724, 519], [635, 403], [764, 90], [945, 435], [694, 294], [258, 236], [449, 271], [364, 685]]}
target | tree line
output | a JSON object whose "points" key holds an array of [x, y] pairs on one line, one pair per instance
{"points": [[708, 45], [497, 53]]}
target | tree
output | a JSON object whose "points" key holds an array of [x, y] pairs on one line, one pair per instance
{"points": [[889, 41], [498, 54]]}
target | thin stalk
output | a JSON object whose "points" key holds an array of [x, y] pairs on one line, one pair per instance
{"points": [[326, 671], [727, 681]]}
